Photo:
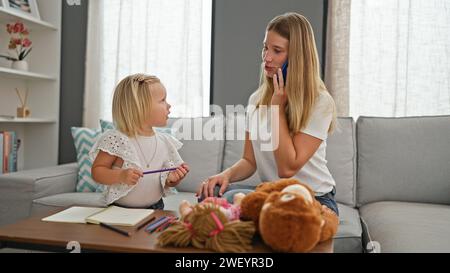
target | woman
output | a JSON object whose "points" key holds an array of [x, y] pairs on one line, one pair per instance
{"points": [[301, 117]]}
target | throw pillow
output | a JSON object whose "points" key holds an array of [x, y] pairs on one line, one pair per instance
{"points": [[84, 139]]}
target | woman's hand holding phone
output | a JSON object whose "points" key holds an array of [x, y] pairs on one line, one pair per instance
{"points": [[279, 94]]}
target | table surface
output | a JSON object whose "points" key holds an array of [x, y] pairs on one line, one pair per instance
{"points": [[35, 232]]}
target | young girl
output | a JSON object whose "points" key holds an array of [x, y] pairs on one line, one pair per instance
{"points": [[121, 156], [300, 127]]}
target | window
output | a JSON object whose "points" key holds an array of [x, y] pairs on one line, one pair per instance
{"points": [[169, 39], [399, 58]]}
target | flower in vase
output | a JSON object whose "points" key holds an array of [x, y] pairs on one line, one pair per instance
{"points": [[19, 43]]}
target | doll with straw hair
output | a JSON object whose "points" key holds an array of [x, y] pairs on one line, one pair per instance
{"points": [[212, 225]]}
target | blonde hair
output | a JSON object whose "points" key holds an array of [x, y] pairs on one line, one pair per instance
{"points": [[132, 102], [303, 83]]}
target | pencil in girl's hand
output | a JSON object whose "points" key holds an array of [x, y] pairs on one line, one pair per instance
{"points": [[161, 171]]}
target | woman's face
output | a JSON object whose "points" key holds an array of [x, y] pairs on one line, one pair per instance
{"points": [[275, 52], [160, 108]]}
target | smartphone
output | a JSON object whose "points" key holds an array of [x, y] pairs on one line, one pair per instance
{"points": [[284, 71]]}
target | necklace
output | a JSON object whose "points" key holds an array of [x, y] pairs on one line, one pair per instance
{"points": [[147, 163]]}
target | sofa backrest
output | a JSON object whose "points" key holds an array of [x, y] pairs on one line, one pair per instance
{"points": [[341, 157], [204, 156], [207, 158], [234, 145], [403, 159]]}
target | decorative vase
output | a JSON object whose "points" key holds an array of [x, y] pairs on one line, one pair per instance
{"points": [[23, 112], [20, 65]]}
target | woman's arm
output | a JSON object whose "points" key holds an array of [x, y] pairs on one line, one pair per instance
{"points": [[291, 153], [103, 173]]}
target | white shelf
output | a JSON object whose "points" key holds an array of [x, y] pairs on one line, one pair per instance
{"points": [[26, 120], [39, 134], [26, 75], [9, 16]]}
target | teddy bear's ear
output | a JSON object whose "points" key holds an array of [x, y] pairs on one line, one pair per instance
{"points": [[299, 190]]}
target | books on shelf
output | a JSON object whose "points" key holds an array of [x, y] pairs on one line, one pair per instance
{"points": [[112, 215], [9, 147]]}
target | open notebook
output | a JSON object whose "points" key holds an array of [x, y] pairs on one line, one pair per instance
{"points": [[112, 215]]}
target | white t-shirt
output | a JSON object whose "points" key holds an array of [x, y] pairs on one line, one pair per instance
{"points": [[148, 190], [315, 172]]}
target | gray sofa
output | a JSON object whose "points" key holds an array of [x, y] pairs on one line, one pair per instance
{"points": [[392, 175]]}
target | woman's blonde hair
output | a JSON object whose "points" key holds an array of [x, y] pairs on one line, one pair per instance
{"points": [[132, 102], [303, 83]]}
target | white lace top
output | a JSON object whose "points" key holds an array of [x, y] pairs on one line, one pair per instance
{"points": [[118, 144]]}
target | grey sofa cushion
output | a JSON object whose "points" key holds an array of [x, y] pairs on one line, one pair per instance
{"points": [[404, 159], [172, 202], [204, 156], [349, 235], [408, 227], [19, 189], [234, 146], [341, 156], [83, 199]]}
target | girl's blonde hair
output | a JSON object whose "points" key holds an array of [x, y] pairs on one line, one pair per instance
{"points": [[303, 83], [132, 102]]}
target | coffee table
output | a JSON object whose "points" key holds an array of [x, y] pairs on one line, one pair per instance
{"points": [[33, 233]]}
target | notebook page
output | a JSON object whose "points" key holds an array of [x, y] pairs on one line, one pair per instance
{"points": [[120, 216], [73, 215]]}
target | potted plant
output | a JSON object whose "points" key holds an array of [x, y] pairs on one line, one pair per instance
{"points": [[19, 44]]}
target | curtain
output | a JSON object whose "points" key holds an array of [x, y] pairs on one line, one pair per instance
{"points": [[398, 57], [169, 39], [337, 54]]}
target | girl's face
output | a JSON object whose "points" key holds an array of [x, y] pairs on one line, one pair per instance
{"points": [[275, 52], [160, 108]]}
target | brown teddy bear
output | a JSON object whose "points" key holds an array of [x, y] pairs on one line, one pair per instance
{"points": [[288, 217]]}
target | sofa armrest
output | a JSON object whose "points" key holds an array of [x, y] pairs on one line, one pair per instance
{"points": [[18, 190]]}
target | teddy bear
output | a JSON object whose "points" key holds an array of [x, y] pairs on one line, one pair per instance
{"points": [[212, 224], [288, 217]]}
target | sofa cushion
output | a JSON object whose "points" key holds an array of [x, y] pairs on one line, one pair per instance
{"points": [[172, 202], [341, 157], [203, 143], [83, 199], [404, 159], [84, 139], [234, 146], [408, 227], [349, 235], [20, 188]]}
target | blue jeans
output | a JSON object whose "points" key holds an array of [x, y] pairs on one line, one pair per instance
{"points": [[329, 201], [326, 199]]}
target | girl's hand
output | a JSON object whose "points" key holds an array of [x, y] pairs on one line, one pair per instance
{"points": [[279, 94], [174, 178], [207, 187], [130, 176]]}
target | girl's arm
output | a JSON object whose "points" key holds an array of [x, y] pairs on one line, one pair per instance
{"points": [[103, 173], [292, 153]]}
